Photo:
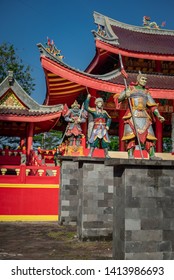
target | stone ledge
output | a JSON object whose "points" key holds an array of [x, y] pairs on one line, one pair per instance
{"points": [[138, 162]]}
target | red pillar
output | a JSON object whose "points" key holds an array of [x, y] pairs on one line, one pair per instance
{"points": [[158, 66], [121, 130], [159, 136], [93, 93], [29, 138], [84, 128]]}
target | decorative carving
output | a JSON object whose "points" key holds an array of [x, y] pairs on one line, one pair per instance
{"points": [[40, 171], [50, 46], [3, 171], [152, 24], [11, 101]]}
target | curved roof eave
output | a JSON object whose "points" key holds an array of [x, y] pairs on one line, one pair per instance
{"points": [[58, 67], [29, 118], [114, 49], [107, 82]]}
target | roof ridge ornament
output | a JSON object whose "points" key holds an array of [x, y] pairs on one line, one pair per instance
{"points": [[152, 24], [104, 31], [10, 77], [51, 47]]}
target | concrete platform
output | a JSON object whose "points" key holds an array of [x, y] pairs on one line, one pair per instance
{"points": [[164, 156]]}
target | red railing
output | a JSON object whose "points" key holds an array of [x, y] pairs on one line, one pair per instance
{"points": [[22, 174]]}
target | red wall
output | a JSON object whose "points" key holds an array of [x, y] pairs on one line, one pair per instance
{"points": [[29, 201]]}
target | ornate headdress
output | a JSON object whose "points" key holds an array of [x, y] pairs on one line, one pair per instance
{"points": [[75, 104]]}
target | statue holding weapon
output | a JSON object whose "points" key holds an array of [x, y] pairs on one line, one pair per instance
{"points": [[137, 120], [101, 124], [75, 116]]}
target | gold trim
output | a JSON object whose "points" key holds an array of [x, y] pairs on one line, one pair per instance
{"points": [[128, 116], [29, 218], [150, 137], [54, 75], [30, 186], [62, 81], [59, 87], [152, 104], [128, 137], [65, 93]]}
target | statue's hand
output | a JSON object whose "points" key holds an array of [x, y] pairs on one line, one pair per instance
{"points": [[161, 118], [89, 96]]}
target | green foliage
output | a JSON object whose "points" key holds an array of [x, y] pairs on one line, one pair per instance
{"points": [[9, 61], [114, 144], [11, 142], [167, 145], [48, 140]]}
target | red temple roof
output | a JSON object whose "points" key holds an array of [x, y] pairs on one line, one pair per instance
{"points": [[65, 83], [133, 38], [154, 81]]}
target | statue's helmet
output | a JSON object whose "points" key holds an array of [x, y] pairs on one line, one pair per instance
{"points": [[140, 75], [99, 99], [75, 105]]}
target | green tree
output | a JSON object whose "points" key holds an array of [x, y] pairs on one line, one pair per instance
{"points": [[9, 61], [114, 143], [48, 140]]}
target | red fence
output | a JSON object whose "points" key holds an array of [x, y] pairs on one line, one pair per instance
{"points": [[29, 193]]}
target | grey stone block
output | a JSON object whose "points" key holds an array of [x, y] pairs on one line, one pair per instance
{"points": [[144, 256], [147, 235], [132, 224]]}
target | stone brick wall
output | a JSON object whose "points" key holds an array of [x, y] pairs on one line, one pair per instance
{"points": [[68, 192], [133, 199], [143, 225], [86, 196], [95, 209]]}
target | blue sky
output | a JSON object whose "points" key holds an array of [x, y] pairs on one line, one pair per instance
{"points": [[69, 23]]}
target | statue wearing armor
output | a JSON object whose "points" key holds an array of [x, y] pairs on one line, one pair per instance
{"points": [[101, 125], [75, 116], [143, 109]]}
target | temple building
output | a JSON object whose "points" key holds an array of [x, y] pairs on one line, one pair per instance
{"points": [[147, 49], [29, 188]]}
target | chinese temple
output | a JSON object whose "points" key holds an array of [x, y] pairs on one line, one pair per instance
{"points": [[146, 49]]}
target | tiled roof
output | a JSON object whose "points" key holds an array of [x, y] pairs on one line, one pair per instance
{"points": [[30, 106], [25, 112], [134, 38], [153, 81]]}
